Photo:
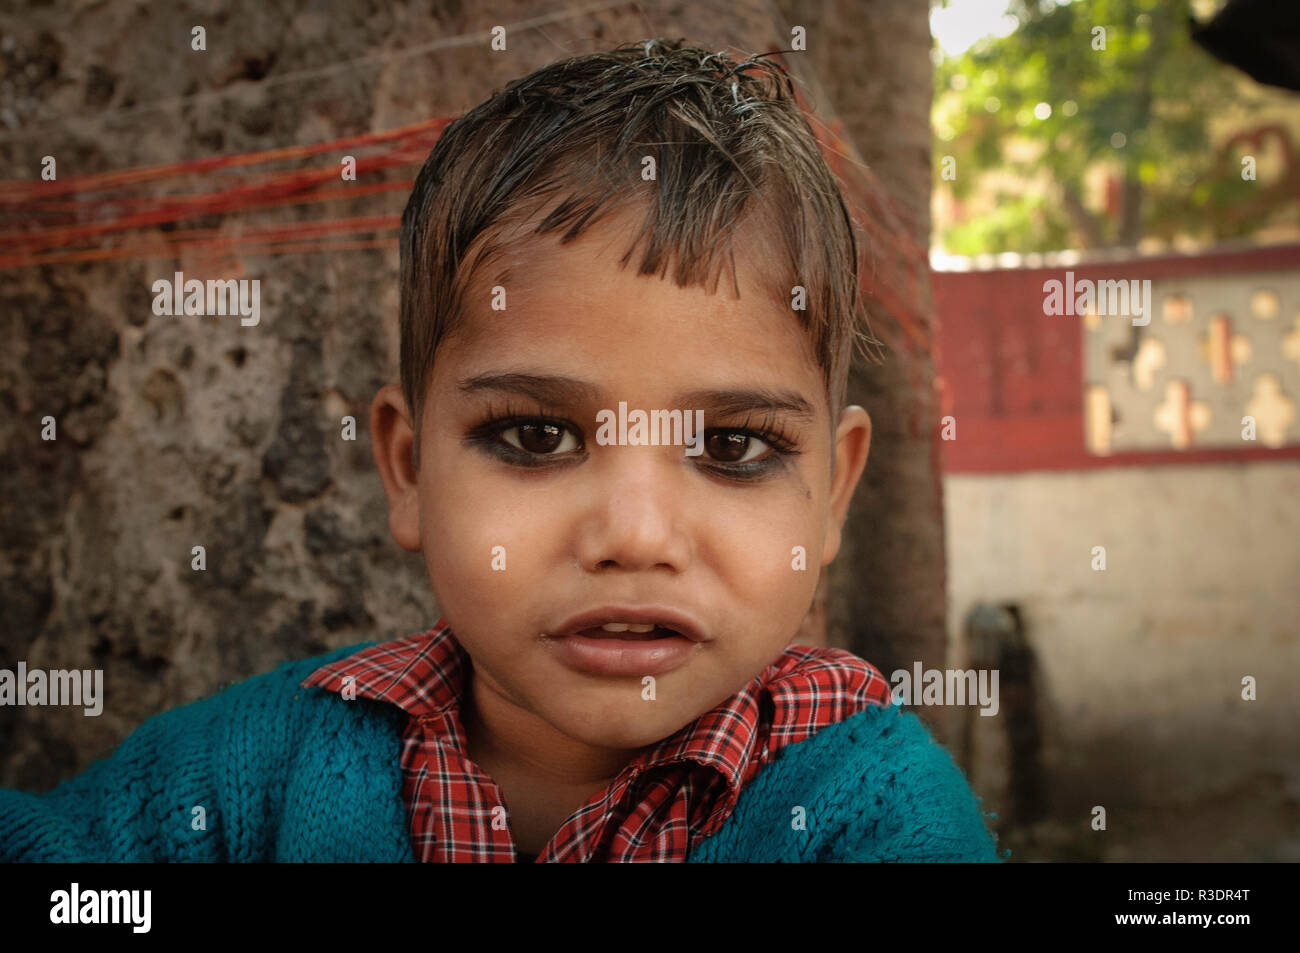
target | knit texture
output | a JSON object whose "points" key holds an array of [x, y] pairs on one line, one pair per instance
{"points": [[290, 774], [874, 787]]}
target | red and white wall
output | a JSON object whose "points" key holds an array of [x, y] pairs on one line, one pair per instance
{"points": [[1139, 666]]}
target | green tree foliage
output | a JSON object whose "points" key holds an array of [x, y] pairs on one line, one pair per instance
{"points": [[1115, 82]]}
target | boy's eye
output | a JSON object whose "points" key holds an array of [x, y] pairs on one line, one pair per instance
{"points": [[733, 446], [735, 453], [541, 437]]}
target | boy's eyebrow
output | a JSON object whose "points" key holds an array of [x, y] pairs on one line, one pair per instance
{"points": [[726, 402], [716, 402], [544, 388]]}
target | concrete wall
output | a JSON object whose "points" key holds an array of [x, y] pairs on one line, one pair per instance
{"points": [[1139, 668]]}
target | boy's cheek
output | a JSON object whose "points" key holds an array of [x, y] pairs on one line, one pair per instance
{"points": [[476, 554], [486, 558], [781, 558]]}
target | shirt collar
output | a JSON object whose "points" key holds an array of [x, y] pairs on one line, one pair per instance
{"points": [[425, 674]]}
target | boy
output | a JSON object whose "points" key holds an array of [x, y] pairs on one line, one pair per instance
{"points": [[614, 479]]}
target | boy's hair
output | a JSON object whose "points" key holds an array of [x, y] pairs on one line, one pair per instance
{"points": [[721, 134]]}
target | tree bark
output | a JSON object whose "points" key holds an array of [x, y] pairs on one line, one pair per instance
{"points": [[886, 597]]}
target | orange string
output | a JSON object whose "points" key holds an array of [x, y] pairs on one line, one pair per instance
{"points": [[45, 222]]}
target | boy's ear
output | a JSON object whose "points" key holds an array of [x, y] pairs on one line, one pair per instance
{"points": [[852, 444], [392, 438]]}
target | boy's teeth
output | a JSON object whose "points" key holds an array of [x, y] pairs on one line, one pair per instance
{"points": [[627, 627]]}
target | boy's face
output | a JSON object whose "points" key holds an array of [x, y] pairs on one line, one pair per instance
{"points": [[515, 550]]}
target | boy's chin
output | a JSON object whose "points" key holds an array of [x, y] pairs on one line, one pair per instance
{"points": [[633, 727]]}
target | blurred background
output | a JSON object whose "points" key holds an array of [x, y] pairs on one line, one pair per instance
{"points": [[1104, 140], [1072, 500]]}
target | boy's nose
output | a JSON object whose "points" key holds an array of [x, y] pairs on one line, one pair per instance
{"points": [[636, 519]]}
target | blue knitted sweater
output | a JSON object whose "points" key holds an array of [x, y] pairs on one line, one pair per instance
{"points": [[290, 774]]}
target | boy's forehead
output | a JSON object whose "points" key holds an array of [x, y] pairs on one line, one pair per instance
{"points": [[576, 304], [542, 308], [528, 273]]}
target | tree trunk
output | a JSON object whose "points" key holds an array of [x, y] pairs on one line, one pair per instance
{"points": [[886, 599]]}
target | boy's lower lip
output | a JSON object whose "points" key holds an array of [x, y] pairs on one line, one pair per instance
{"points": [[609, 655]]}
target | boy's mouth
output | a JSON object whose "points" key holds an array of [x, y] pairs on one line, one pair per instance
{"points": [[631, 624], [622, 641], [626, 631]]}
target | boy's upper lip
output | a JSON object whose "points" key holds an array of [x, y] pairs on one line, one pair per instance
{"points": [[674, 619]]}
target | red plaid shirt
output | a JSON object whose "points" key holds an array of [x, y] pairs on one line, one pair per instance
{"points": [[671, 796]]}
